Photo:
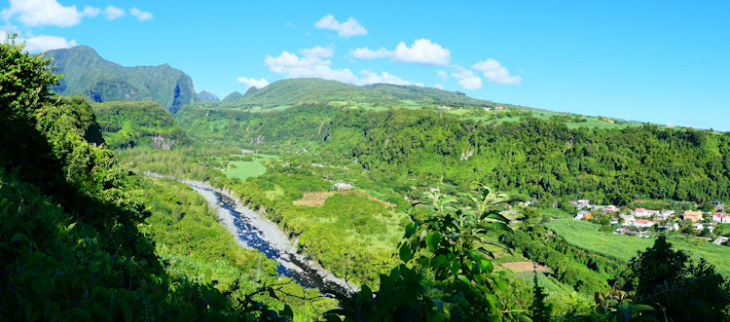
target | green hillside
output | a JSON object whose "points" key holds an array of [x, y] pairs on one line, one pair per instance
{"points": [[89, 75], [232, 97], [206, 96], [288, 92], [130, 124]]}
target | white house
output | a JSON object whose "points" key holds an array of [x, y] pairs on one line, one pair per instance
{"points": [[721, 218], [583, 214], [628, 219], [610, 209], [643, 223], [641, 212], [666, 214]]}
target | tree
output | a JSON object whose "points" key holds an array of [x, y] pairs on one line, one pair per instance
{"points": [[679, 288]]}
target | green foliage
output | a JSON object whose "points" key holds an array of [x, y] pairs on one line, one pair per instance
{"points": [[130, 124], [679, 288], [86, 74], [298, 91]]}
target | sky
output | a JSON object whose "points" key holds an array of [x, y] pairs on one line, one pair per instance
{"points": [[663, 62]]}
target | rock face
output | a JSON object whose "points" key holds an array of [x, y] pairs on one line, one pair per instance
{"points": [[159, 142], [88, 74]]}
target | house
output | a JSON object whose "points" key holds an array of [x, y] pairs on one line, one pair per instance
{"points": [[641, 212], [643, 223], [628, 219], [610, 209], [444, 107], [343, 186], [692, 215], [583, 214], [721, 218], [499, 108], [487, 108], [582, 203], [666, 214]]}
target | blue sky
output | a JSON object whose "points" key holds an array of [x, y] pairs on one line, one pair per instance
{"points": [[656, 61]]}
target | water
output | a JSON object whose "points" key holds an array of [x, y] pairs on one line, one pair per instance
{"points": [[255, 234]]}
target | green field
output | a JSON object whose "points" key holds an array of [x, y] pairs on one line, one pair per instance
{"points": [[248, 169], [585, 235]]}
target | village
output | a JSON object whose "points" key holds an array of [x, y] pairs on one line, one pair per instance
{"points": [[644, 223]]}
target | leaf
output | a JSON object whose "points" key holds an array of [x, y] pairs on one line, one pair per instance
{"points": [[126, 310], [432, 241], [439, 262], [365, 294], [405, 253], [71, 226], [410, 229]]}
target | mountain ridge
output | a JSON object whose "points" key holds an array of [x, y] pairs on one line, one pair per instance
{"points": [[88, 74]]}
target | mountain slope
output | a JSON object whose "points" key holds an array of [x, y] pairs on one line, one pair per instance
{"points": [[232, 97], [88, 74], [295, 91], [130, 124], [206, 96]]}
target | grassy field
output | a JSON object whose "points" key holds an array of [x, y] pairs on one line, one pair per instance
{"points": [[585, 235], [248, 169]]}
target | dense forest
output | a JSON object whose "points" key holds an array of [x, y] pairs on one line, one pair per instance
{"points": [[541, 159]]}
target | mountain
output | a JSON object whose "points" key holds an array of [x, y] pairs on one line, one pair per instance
{"points": [[294, 91], [206, 96], [89, 75], [232, 97], [128, 124]]}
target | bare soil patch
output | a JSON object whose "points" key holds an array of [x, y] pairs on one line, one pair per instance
{"points": [[519, 267]]}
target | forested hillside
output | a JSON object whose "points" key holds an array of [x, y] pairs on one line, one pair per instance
{"points": [[88, 74], [130, 124], [295, 91], [541, 159]]}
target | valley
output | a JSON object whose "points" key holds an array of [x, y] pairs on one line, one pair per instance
{"points": [[311, 199]]}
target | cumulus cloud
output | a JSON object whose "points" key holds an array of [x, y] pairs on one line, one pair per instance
{"points": [[367, 53], [496, 73], [43, 42], [439, 86], [318, 52], [423, 51], [467, 79], [346, 29], [308, 66], [141, 15], [384, 78], [34, 13], [442, 75], [91, 11], [252, 82], [113, 13], [315, 66]]}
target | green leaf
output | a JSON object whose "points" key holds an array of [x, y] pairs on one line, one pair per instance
{"points": [[410, 229], [439, 262], [432, 241], [126, 310], [405, 253], [71, 226]]}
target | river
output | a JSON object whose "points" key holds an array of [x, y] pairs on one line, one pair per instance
{"points": [[252, 231]]}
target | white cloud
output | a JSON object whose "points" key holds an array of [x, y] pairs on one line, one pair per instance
{"points": [[113, 13], [439, 86], [383, 78], [367, 53], [252, 82], [141, 15], [443, 75], [346, 29], [314, 66], [467, 78], [318, 52], [91, 11], [423, 51], [43, 42], [294, 66], [34, 13], [495, 72]]}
